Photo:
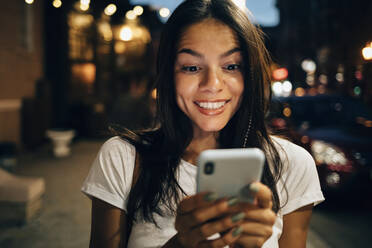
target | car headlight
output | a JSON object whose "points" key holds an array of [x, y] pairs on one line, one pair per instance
{"points": [[325, 153]]}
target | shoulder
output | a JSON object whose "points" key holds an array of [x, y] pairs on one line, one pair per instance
{"points": [[110, 176], [299, 184], [116, 156], [292, 154], [117, 147], [117, 142]]}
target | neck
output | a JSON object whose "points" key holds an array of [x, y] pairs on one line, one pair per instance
{"points": [[198, 144]]}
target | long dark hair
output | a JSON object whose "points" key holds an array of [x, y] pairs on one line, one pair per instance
{"points": [[160, 149]]}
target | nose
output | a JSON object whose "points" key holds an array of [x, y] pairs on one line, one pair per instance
{"points": [[212, 81]]}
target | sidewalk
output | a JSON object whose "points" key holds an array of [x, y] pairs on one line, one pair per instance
{"points": [[64, 221]]}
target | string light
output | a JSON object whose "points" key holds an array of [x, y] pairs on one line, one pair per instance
{"points": [[57, 3], [84, 5], [138, 10], [126, 34], [110, 9], [164, 12], [130, 15]]}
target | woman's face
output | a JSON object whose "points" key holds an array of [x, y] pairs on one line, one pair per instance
{"points": [[208, 75]]}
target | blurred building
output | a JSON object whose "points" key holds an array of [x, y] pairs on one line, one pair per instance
{"points": [[93, 54], [72, 63], [21, 63], [332, 34], [65, 63]]}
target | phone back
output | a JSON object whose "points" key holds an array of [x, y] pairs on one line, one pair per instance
{"points": [[228, 171]]}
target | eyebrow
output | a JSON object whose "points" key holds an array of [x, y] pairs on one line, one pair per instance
{"points": [[196, 54]]}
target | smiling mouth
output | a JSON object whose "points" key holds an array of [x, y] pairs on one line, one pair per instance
{"points": [[211, 105]]}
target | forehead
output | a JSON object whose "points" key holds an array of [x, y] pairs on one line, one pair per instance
{"points": [[209, 31]]}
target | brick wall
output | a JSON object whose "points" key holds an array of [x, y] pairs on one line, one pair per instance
{"points": [[21, 58]]}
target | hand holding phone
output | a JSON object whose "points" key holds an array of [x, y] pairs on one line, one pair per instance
{"points": [[228, 172]]}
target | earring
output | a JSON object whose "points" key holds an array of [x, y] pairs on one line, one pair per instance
{"points": [[247, 132]]}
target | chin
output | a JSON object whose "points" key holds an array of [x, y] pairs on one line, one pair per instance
{"points": [[212, 127]]}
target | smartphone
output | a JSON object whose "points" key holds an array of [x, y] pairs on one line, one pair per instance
{"points": [[228, 172]]}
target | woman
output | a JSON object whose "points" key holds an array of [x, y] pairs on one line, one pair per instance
{"points": [[212, 84]]}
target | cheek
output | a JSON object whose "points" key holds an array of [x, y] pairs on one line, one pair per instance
{"points": [[236, 89], [237, 86], [185, 87], [240, 89], [182, 92], [177, 84], [178, 88]]}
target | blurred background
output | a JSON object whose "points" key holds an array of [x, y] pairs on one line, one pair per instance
{"points": [[71, 68]]}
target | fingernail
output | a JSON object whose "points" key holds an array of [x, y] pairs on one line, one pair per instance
{"points": [[237, 231], [232, 201], [237, 217], [253, 187], [210, 197]]}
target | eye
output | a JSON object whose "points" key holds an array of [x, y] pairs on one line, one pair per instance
{"points": [[190, 69], [232, 67]]}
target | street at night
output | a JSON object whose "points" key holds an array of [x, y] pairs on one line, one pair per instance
{"points": [[64, 221], [174, 79]]}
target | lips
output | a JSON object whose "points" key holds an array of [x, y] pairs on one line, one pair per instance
{"points": [[211, 107]]}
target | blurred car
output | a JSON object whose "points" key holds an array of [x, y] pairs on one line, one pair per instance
{"points": [[336, 130]]}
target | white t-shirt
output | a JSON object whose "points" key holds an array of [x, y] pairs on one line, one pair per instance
{"points": [[110, 180]]}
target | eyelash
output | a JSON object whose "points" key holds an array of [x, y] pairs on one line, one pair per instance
{"points": [[187, 69], [235, 67], [194, 69]]}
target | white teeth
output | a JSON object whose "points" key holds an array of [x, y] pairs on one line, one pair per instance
{"points": [[211, 105]]}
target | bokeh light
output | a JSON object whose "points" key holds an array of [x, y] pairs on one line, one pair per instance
{"points": [[357, 91], [153, 94], [126, 34], [164, 12], [308, 65], [280, 74], [305, 139], [110, 9], [340, 77], [367, 53], [287, 86], [323, 79], [358, 75], [277, 88], [84, 7], [130, 15], [287, 112], [300, 91], [138, 10], [57, 3]]}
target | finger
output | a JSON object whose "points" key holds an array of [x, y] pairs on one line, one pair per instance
{"points": [[264, 216], [196, 201], [263, 194], [227, 239], [222, 225], [250, 241], [242, 206], [257, 229], [219, 209]]}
